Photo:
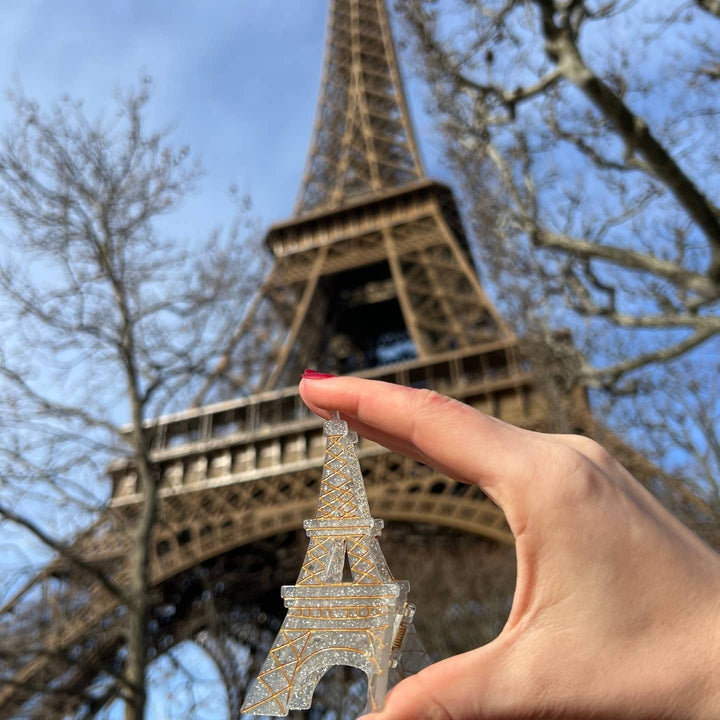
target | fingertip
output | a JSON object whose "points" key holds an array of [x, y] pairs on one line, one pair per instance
{"points": [[329, 393], [307, 396]]}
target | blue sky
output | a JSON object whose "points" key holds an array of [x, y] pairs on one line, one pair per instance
{"points": [[237, 80]]}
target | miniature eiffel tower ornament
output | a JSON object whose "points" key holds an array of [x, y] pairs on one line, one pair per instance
{"points": [[364, 622]]}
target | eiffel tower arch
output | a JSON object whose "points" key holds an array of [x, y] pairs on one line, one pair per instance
{"points": [[373, 276]]}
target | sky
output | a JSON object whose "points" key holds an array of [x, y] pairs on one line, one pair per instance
{"points": [[238, 81]]}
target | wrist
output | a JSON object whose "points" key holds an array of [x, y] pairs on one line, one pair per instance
{"points": [[677, 672], [703, 666], [709, 692]]}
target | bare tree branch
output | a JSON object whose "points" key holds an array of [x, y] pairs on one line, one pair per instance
{"points": [[608, 376], [694, 282], [66, 551], [510, 98], [562, 49]]}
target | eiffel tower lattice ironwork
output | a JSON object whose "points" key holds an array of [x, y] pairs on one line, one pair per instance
{"points": [[372, 276], [363, 141]]}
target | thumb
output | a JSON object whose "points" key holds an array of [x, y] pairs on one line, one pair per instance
{"points": [[452, 689]]}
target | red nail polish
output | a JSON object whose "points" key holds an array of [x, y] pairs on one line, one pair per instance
{"points": [[315, 375]]}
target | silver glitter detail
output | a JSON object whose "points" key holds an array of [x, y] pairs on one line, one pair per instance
{"points": [[364, 622]]}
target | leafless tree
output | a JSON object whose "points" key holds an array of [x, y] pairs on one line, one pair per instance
{"points": [[584, 135], [105, 324], [678, 427]]}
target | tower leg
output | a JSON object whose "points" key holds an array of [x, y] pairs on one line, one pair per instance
{"points": [[377, 688]]}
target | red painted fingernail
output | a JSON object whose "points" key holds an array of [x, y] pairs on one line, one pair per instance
{"points": [[315, 375]]}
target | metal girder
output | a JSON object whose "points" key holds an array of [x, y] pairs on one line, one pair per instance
{"points": [[361, 85]]}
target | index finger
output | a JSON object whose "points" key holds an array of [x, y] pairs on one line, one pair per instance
{"points": [[456, 439]]}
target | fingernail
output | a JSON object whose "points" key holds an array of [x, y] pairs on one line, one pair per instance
{"points": [[315, 375]]}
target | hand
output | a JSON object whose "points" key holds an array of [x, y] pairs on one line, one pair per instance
{"points": [[616, 612]]}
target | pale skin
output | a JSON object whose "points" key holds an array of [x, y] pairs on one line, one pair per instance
{"points": [[616, 612]]}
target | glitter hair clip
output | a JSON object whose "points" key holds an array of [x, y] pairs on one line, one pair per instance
{"points": [[364, 621]]}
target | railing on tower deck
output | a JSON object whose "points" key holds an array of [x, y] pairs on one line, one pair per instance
{"points": [[248, 438], [413, 201]]}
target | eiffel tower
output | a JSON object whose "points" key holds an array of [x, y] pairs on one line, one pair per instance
{"points": [[372, 276]]}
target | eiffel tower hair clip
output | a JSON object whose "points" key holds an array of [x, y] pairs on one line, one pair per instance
{"points": [[364, 622]]}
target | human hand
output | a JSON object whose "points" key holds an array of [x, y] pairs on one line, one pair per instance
{"points": [[616, 612]]}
